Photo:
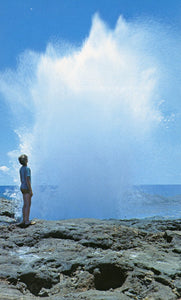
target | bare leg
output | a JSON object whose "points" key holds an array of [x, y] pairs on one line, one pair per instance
{"points": [[26, 207]]}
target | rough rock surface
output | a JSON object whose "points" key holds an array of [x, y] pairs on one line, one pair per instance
{"points": [[89, 259]]}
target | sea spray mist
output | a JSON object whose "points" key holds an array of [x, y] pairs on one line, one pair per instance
{"points": [[88, 117]]}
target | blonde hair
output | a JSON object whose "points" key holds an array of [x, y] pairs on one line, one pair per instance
{"points": [[23, 159]]}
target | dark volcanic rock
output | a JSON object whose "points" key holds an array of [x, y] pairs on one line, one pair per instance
{"points": [[7, 211], [91, 259]]}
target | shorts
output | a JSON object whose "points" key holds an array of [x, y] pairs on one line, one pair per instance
{"points": [[25, 191]]}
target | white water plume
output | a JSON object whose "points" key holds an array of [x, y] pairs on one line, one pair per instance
{"points": [[86, 117]]}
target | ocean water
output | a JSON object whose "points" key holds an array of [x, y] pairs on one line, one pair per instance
{"points": [[9, 191], [153, 201], [143, 201]]}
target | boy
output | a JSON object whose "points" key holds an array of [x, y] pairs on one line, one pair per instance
{"points": [[25, 177]]}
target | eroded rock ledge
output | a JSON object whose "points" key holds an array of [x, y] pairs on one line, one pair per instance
{"points": [[90, 259]]}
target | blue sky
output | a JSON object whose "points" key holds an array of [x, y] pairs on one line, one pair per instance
{"points": [[33, 24]]}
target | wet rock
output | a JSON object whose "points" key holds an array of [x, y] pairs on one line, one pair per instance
{"points": [[91, 259]]}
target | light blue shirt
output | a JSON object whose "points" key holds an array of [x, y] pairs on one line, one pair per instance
{"points": [[24, 173]]}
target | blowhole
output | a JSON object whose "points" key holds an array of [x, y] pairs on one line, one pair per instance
{"points": [[109, 276]]}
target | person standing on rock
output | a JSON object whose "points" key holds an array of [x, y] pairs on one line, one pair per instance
{"points": [[26, 189]]}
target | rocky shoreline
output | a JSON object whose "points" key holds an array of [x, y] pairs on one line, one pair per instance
{"points": [[89, 259]]}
